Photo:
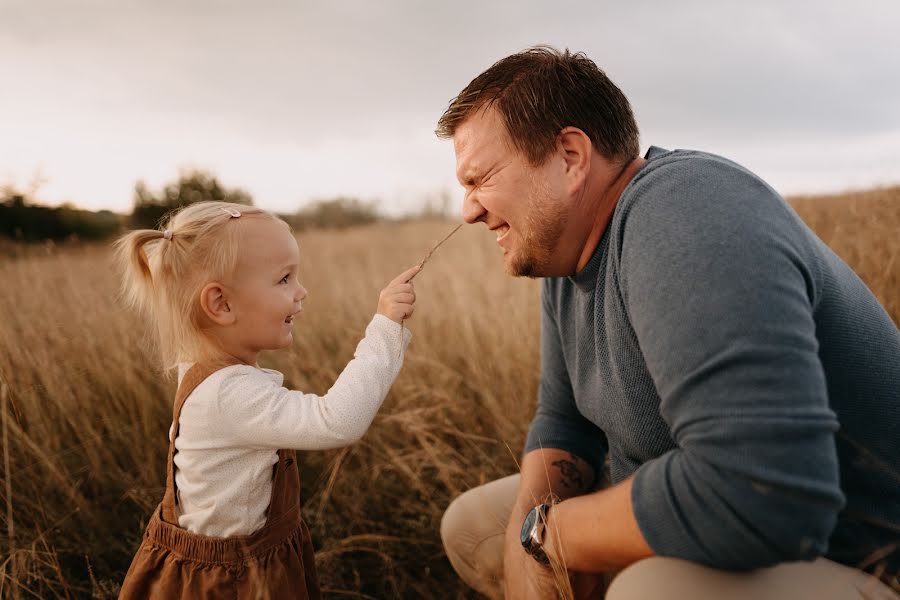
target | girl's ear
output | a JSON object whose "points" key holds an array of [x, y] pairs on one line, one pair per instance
{"points": [[214, 301]]}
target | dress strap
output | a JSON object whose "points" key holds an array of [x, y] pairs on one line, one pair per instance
{"points": [[194, 377], [285, 485]]}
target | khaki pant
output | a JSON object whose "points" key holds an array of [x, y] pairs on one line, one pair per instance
{"points": [[473, 527]]}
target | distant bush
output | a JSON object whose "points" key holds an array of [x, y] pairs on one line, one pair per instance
{"points": [[24, 221], [334, 213], [192, 186]]}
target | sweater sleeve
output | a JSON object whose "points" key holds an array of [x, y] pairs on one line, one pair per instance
{"points": [[557, 422], [257, 412], [720, 297]]}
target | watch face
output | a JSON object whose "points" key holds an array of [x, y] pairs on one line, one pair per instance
{"points": [[527, 525]]}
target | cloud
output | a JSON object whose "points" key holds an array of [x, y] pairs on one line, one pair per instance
{"points": [[342, 96]]}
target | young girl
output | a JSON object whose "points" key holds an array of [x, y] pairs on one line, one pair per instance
{"points": [[220, 283]]}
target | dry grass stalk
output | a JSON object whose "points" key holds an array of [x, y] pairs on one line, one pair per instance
{"points": [[433, 248], [10, 522], [422, 264]]}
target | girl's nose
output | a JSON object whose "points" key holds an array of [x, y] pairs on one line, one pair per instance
{"points": [[301, 293]]}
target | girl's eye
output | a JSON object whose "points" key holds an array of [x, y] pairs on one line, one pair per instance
{"points": [[285, 278]]}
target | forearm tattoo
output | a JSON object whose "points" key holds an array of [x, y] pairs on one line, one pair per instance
{"points": [[571, 472]]}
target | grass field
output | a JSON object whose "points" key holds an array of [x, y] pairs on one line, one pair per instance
{"points": [[85, 413]]}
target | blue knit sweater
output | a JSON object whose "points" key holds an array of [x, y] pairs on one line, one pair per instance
{"points": [[714, 346]]}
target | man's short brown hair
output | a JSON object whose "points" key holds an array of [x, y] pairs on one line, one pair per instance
{"points": [[541, 90]]}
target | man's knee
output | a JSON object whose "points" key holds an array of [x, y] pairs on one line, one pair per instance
{"points": [[659, 578], [454, 527], [674, 579], [469, 530], [472, 531], [646, 579]]}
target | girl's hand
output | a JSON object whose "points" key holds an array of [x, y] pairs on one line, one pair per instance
{"points": [[397, 298]]}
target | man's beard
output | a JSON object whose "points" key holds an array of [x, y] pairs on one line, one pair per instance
{"points": [[545, 223]]}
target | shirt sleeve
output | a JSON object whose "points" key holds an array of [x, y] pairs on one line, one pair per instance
{"points": [[721, 299], [557, 422], [255, 411]]}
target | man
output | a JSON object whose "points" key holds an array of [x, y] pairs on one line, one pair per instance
{"points": [[701, 349]]}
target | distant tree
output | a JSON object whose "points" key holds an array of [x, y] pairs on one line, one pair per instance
{"points": [[192, 186], [24, 220], [437, 206], [335, 213]]}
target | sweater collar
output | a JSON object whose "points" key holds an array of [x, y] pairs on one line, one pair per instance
{"points": [[586, 279]]}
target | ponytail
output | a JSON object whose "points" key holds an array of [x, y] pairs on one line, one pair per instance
{"points": [[134, 264]]}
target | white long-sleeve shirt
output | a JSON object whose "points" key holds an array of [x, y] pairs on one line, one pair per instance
{"points": [[233, 423]]}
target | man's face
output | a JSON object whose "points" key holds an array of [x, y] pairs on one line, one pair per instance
{"points": [[525, 205]]}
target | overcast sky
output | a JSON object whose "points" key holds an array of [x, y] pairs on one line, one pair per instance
{"points": [[295, 101]]}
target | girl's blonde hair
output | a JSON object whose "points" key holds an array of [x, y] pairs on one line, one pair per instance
{"points": [[165, 270]]}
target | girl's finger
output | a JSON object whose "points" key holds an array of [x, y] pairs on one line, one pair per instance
{"points": [[406, 275]]}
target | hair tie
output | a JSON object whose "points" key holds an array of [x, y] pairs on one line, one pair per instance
{"points": [[167, 234], [234, 214]]}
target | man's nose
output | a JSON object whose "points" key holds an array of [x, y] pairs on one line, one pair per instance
{"points": [[472, 211]]}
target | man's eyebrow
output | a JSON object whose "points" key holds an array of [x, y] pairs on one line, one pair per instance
{"points": [[469, 176]]}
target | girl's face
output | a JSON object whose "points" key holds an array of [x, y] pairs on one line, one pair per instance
{"points": [[266, 293]]}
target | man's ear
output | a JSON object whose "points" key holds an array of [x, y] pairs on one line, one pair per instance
{"points": [[576, 149], [215, 304]]}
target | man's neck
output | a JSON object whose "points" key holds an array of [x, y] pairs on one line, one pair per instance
{"points": [[604, 207]]}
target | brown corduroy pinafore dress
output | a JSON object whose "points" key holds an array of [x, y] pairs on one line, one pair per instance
{"points": [[274, 562]]}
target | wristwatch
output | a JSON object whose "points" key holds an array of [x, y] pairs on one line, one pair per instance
{"points": [[532, 534]]}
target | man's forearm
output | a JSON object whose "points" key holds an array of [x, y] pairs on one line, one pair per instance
{"points": [[596, 532], [543, 472], [550, 470]]}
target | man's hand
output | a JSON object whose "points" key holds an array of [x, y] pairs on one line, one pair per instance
{"points": [[544, 472], [397, 298], [523, 577], [537, 582]]}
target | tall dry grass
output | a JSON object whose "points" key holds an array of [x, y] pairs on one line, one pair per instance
{"points": [[863, 228], [85, 413], [88, 412]]}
